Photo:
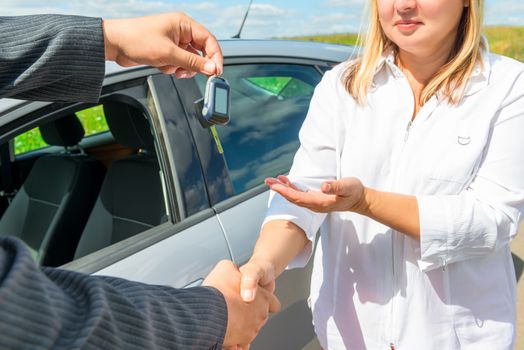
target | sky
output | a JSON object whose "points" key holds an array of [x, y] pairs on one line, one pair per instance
{"points": [[267, 19]]}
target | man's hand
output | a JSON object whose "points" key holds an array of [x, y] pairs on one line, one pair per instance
{"points": [[348, 194], [244, 319], [172, 42]]}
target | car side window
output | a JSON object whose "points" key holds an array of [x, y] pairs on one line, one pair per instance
{"points": [[268, 105], [112, 185]]}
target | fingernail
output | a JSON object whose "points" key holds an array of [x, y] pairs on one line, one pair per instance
{"points": [[247, 295], [327, 187], [209, 67], [184, 75]]}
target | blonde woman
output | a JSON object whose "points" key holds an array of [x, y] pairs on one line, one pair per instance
{"points": [[411, 167]]}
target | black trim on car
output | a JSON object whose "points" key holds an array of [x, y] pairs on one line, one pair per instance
{"points": [[180, 145], [213, 164], [171, 182]]}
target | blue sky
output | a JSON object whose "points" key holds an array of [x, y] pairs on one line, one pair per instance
{"points": [[268, 18]]}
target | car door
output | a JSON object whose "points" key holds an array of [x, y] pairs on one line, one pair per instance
{"points": [[270, 100], [181, 251]]}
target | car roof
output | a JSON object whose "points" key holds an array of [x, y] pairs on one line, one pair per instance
{"points": [[241, 48]]}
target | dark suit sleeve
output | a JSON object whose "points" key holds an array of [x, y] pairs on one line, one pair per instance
{"points": [[58, 309], [51, 58]]}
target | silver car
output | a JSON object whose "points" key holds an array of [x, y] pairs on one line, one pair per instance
{"points": [[149, 194]]}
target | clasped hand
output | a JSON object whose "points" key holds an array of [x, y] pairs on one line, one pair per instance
{"points": [[244, 319]]}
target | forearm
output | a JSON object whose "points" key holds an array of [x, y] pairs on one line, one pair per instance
{"points": [[398, 211], [279, 242], [51, 58]]}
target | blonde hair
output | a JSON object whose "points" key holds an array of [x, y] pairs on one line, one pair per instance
{"points": [[450, 80]]}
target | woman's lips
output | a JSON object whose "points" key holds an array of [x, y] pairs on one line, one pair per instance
{"points": [[407, 25]]}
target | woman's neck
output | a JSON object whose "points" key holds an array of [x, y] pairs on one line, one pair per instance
{"points": [[420, 68]]}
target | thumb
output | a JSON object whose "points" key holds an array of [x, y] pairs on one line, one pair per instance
{"points": [[330, 187], [251, 275], [340, 188], [191, 61]]}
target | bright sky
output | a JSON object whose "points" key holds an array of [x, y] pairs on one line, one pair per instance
{"points": [[268, 18]]}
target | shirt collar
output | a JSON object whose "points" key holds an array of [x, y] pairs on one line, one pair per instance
{"points": [[479, 78], [481, 74]]}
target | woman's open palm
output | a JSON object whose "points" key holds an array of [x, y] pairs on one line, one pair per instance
{"points": [[341, 195]]}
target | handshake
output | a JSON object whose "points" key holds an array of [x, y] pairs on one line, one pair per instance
{"points": [[248, 292]]}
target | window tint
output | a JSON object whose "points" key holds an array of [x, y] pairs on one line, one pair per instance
{"points": [[268, 105]]}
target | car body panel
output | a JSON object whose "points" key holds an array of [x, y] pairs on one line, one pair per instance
{"points": [[177, 261], [242, 224]]}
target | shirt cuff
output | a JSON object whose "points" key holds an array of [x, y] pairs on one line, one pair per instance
{"points": [[452, 229], [433, 232]]}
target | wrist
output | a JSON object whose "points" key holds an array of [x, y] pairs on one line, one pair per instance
{"points": [[110, 47], [265, 263], [363, 205]]}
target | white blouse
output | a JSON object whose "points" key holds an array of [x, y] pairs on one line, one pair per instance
{"points": [[373, 287]]}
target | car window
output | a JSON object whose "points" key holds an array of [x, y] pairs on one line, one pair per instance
{"points": [[268, 105], [131, 199], [112, 186], [93, 120], [29, 141], [283, 86]]}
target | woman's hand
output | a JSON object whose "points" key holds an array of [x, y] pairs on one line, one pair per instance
{"points": [[256, 273], [346, 194]]}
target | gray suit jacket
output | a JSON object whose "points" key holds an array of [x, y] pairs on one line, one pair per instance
{"points": [[61, 58]]}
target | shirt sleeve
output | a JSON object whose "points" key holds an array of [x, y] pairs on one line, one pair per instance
{"points": [[51, 58], [314, 163], [485, 216], [62, 309]]}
